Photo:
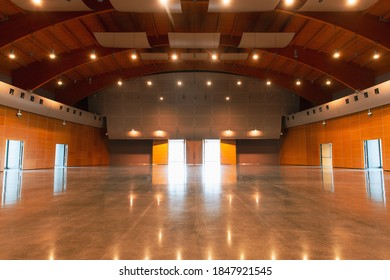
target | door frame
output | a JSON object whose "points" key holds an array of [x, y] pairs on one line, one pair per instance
{"points": [[21, 154], [366, 153], [331, 154]]}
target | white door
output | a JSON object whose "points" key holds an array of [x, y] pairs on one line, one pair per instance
{"points": [[13, 154], [61, 155], [176, 152], [212, 151], [326, 155], [373, 153]]}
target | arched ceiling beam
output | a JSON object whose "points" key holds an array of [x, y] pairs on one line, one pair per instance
{"points": [[366, 26], [348, 74], [32, 77], [74, 93]]}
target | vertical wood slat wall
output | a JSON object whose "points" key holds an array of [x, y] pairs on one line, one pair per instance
{"points": [[301, 145], [86, 145]]}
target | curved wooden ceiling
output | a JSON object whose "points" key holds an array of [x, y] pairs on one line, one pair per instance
{"points": [[309, 57]]}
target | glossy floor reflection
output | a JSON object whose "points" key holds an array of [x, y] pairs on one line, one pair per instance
{"points": [[195, 212]]}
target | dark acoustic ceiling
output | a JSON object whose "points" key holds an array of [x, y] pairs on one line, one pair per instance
{"points": [[357, 35]]}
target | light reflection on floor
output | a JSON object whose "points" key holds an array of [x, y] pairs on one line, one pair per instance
{"points": [[195, 212]]}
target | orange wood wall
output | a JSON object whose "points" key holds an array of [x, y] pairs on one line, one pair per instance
{"points": [[301, 145], [160, 152], [86, 145], [228, 152]]}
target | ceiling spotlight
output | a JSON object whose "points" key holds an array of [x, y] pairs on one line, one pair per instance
{"points": [[351, 2], [149, 83], [11, 54], [328, 82], [226, 2], [227, 98], [336, 54], [209, 83], [269, 82], [239, 83], [52, 54], [93, 55], [161, 98], [19, 114], [179, 83], [59, 82], [298, 82], [37, 2], [120, 83], [174, 56], [376, 55], [214, 56], [255, 56], [369, 113], [164, 2]]}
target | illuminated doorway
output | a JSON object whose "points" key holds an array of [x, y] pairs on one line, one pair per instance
{"points": [[212, 151], [14, 154]]}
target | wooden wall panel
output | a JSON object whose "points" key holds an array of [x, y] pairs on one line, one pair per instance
{"points": [[160, 152], [228, 152], [194, 152], [87, 145], [300, 145]]}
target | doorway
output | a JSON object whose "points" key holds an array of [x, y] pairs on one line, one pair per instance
{"points": [[14, 154], [61, 159], [176, 152], [373, 153], [326, 155], [194, 152], [212, 151]]}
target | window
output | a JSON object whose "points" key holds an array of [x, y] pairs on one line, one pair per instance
{"points": [[22, 94], [61, 107], [356, 98], [41, 101], [320, 109], [67, 110], [314, 111], [32, 98], [327, 107], [376, 91], [307, 113], [293, 117], [11, 91], [74, 112], [347, 101], [81, 113], [366, 94]]}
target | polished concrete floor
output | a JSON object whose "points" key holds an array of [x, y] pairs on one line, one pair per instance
{"points": [[195, 212]]}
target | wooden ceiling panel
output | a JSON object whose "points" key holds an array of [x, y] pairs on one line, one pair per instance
{"points": [[308, 33]]}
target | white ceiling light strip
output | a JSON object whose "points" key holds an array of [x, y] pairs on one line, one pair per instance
{"points": [[124, 40], [336, 6], [52, 5], [147, 6], [194, 40], [219, 6], [265, 40]]}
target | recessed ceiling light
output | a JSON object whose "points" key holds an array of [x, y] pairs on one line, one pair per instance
{"points": [[120, 83], [179, 83], [376, 55], [255, 56], [214, 56], [164, 2], [93, 55], [11, 54], [174, 56], [336, 54], [52, 54], [149, 83], [227, 98], [239, 83], [269, 82], [298, 82], [209, 83], [161, 98], [37, 2], [60, 83], [351, 2], [226, 2], [328, 82]]}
